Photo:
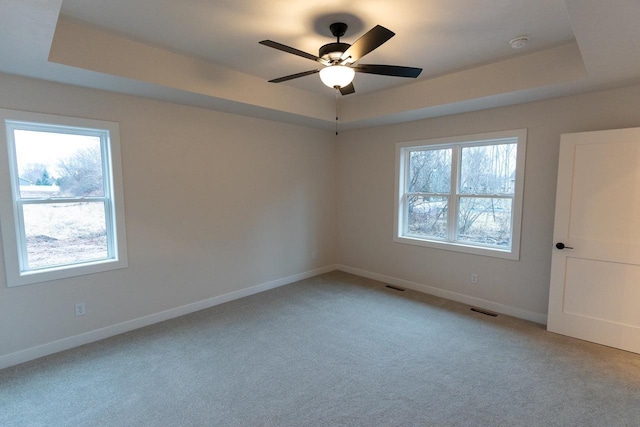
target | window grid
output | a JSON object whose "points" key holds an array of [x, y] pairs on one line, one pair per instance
{"points": [[20, 201], [501, 197], [85, 212]]}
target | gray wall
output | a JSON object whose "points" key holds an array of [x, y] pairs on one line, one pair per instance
{"points": [[366, 168], [214, 203]]}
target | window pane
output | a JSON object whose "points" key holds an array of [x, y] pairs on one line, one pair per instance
{"points": [[58, 165], [427, 216], [430, 171], [64, 233], [486, 221], [488, 169]]}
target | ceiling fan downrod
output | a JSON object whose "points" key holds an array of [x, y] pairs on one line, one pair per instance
{"points": [[332, 52]]}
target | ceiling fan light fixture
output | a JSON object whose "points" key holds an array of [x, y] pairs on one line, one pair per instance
{"points": [[337, 76]]}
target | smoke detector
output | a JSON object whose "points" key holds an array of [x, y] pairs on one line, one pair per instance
{"points": [[519, 42]]}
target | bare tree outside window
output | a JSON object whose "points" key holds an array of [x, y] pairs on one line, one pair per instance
{"points": [[487, 176], [484, 196], [81, 173], [429, 177], [71, 226]]}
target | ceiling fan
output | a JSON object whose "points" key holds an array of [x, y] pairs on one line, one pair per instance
{"points": [[339, 59]]}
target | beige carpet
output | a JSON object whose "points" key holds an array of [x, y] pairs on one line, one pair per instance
{"points": [[334, 350]]}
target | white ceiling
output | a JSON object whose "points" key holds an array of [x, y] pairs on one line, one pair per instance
{"points": [[438, 36], [206, 53]]}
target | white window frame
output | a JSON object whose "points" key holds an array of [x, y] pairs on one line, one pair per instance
{"points": [[13, 233], [519, 136]]}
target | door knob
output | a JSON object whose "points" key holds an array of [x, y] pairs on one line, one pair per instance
{"points": [[561, 245]]}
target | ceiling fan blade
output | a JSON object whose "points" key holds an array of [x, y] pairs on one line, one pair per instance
{"points": [[368, 42], [348, 89], [294, 51], [388, 70], [293, 76]]}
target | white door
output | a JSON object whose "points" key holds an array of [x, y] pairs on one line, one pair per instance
{"points": [[595, 279]]}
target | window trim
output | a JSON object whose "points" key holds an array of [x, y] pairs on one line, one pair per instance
{"points": [[10, 213], [400, 212]]}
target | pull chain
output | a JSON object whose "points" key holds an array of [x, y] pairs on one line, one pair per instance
{"points": [[337, 104]]}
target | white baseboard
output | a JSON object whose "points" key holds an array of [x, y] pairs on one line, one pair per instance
{"points": [[119, 328], [465, 299], [109, 331]]}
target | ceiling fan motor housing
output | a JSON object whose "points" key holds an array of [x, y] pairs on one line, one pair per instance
{"points": [[333, 51]]}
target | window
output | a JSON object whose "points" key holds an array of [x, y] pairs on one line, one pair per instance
{"points": [[462, 194], [63, 212]]}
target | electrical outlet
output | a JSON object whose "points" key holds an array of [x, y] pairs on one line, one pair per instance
{"points": [[474, 278], [80, 309]]}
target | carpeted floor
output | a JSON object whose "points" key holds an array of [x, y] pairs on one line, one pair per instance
{"points": [[334, 350]]}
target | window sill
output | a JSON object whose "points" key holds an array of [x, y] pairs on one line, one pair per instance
{"points": [[65, 271], [512, 254]]}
